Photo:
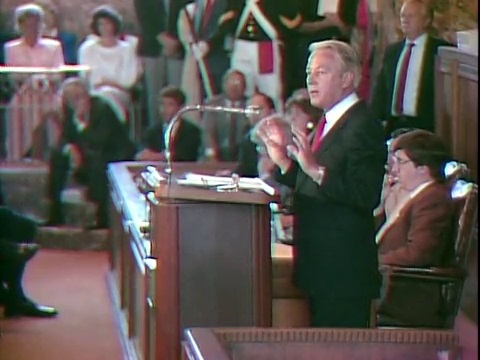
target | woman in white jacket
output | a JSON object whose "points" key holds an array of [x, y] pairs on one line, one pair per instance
{"points": [[114, 65]]}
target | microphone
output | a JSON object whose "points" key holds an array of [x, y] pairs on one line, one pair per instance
{"points": [[248, 111]]}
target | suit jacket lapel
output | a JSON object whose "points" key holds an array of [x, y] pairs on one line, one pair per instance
{"points": [[329, 138], [427, 58], [400, 210], [332, 134]]}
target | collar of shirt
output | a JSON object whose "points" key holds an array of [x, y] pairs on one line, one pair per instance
{"points": [[80, 124], [419, 41], [335, 113]]}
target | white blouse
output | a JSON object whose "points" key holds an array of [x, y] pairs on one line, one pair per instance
{"points": [[118, 63]]}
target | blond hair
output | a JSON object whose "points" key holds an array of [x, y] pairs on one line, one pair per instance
{"points": [[347, 55], [25, 11]]}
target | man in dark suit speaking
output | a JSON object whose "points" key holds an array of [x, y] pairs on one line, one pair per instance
{"points": [[337, 182]]}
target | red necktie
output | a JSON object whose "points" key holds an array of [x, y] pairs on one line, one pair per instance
{"points": [[82, 119], [317, 140], [207, 12], [402, 80]]}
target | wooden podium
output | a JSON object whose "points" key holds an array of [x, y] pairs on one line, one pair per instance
{"points": [[212, 268], [214, 264]]}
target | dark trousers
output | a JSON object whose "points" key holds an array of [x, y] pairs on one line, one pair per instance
{"points": [[92, 174], [11, 275], [339, 312], [14, 229], [412, 302]]}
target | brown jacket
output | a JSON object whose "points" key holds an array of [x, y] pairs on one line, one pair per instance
{"points": [[420, 236], [422, 232]]}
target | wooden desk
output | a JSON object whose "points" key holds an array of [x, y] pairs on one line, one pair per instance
{"points": [[227, 280]]}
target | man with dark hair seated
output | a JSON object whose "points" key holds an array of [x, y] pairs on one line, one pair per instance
{"points": [[186, 136], [417, 228], [17, 233], [392, 192]]}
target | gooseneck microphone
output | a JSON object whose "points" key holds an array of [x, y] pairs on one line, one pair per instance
{"points": [[248, 111]]}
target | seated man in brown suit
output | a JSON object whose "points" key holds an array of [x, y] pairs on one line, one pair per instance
{"points": [[392, 192], [417, 230]]}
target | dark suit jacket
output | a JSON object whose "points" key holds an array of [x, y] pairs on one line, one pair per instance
{"points": [[421, 234], [247, 158], [385, 85], [334, 228], [105, 139], [152, 20], [186, 142]]}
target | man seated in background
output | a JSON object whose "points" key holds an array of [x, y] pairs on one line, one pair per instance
{"points": [[186, 136], [418, 229], [249, 164], [17, 233], [225, 131], [392, 192], [92, 137]]}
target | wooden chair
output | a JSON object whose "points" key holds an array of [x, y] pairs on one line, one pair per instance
{"points": [[450, 277], [455, 170]]}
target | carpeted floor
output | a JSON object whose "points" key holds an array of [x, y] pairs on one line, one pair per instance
{"points": [[85, 328]]}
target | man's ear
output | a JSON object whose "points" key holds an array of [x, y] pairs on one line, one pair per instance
{"points": [[347, 79], [424, 169]]}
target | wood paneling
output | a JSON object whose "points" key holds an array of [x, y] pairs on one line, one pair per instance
{"points": [[456, 104]]}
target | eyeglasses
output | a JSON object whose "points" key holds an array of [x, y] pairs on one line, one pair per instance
{"points": [[400, 161]]}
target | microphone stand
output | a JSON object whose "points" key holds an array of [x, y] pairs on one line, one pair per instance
{"points": [[250, 110]]}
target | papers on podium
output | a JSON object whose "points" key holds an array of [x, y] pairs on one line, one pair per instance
{"points": [[327, 7], [223, 182]]}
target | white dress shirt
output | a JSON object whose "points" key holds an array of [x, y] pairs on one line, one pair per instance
{"points": [[336, 112], [414, 74]]}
